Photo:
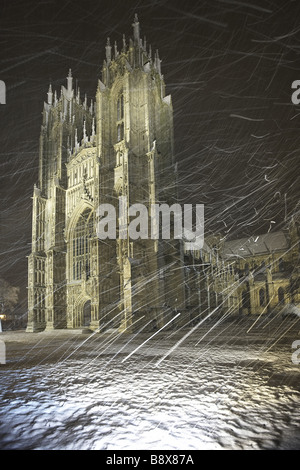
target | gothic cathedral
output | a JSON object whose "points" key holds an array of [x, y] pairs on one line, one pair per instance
{"points": [[121, 145]]}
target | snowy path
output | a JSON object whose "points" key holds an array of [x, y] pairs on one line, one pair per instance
{"points": [[232, 390]]}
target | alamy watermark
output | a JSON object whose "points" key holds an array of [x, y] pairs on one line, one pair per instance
{"points": [[2, 92], [161, 221], [296, 354], [296, 94]]}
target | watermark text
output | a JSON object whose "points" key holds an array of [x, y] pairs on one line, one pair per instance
{"points": [[296, 354], [158, 221]]}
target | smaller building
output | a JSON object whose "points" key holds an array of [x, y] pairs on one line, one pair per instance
{"points": [[254, 275]]}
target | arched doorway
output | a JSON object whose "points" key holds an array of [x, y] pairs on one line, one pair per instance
{"points": [[82, 312], [86, 314]]}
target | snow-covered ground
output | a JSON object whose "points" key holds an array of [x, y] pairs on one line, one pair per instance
{"points": [[230, 386]]}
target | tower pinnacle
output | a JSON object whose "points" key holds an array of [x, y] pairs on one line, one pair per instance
{"points": [[136, 29], [70, 80], [108, 51], [124, 43], [50, 95]]}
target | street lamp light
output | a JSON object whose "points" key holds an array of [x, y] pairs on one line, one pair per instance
{"points": [[2, 317]]}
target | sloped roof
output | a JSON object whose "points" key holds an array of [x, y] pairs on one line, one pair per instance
{"points": [[255, 246]]}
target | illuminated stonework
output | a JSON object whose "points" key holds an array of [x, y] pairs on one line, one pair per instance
{"points": [[89, 155], [122, 145]]}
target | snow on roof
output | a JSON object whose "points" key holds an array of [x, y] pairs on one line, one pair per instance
{"points": [[255, 246]]}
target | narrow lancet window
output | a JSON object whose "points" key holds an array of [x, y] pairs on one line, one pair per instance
{"points": [[120, 118]]}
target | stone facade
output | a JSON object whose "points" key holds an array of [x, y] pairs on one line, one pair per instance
{"points": [[256, 275], [121, 145], [268, 269]]}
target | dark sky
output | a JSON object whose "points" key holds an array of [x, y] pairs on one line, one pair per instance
{"points": [[228, 65]]}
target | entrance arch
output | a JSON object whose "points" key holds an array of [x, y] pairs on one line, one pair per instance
{"points": [[87, 314], [82, 312]]}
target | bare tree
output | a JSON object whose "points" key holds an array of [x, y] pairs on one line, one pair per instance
{"points": [[9, 296]]}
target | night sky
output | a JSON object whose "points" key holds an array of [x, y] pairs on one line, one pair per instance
{"points": [[228, 65]]}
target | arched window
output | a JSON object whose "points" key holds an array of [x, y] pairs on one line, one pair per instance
{"points": [[281, 264], [120, 117], [80, 246], [262, 297], [280, 292], [246, 299], [120, 108]]}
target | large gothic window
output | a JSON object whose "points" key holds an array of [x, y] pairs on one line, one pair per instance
{"points": [[81, 246]]}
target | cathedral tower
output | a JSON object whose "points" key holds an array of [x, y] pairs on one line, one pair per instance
{"points": [[116, 150]]}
